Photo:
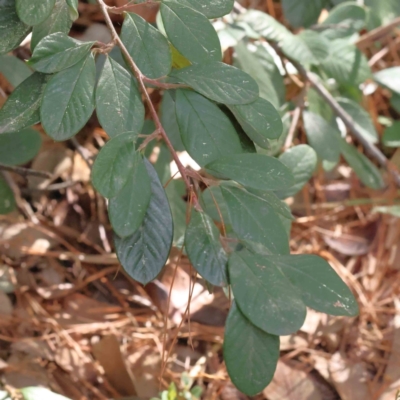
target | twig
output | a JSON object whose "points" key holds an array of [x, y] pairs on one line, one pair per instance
{"points": [[25, 171], [128, 6], [141, 80], [293, 126], [148, 139], [377, 33]]}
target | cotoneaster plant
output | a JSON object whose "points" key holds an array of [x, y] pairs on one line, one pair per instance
{"points": [[237, 235]]}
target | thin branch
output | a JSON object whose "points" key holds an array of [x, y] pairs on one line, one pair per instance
{"points": [[141, 80], [377, 33], [128, 6], [25, 171]]}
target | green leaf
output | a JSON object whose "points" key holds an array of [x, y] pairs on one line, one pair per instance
{"points": [[169, 122], [266, 78], [19, 147], [211, 9], [362, 166], [345, 19], [175, 191], [317, 44], [395, 102], [385, 11], [144, 253], [68, 100], [256, 171], [318, 106], [204, 249], [73, 9], [14, 70], [119, 104], [391, 136], [190, 32], [346, 64], [147, 46], [21, 109], [12, 30], [58, 51], [207, 133], [254, 220], [215, 204], [361, 118], [33, 12], [322, 137], [7, 201], [389, 78], [219, 82], [39, 393], [301, 160], [128, 208], [58, 21], [257, 351], [390, 210], [260, 121], [320, 286], [114, 164], [264, 294], [303, 13]]}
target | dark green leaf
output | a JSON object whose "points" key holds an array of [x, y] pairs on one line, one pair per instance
{"points": [[320, 286], [169, 122], [68, 100], [211, 9], [345, 19], [219, 82], [317, 105], [144, 253], [204, 249], [255, 220], [361, 118], [19, 147], [207, 133], [21, 109], [175, 191], [395, 102], [301, 160], [7, 201], [346, 64], [322, 137], [114, 164], [302, 13], [147, 46], [215, 205], [256, 171], [128, 208], [264, 294], [58, 51], [391, 136], [33, 12], [119, 104], [260, 121], [257, 351], [389, 78], [12, 30], [362, 166], [317, 44], [190, 32], [14, 70], [58, 21], [73, 9]]}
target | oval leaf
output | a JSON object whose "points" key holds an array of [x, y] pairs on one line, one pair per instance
{"points": [[210, 8], [204, 249], [320, 286], [264, 294], [19, 147], [68, 100], [118, 101], [302, 13], [260, 121], [12, 30], [144, 253], [219, 82], [33, 12], [7, 200], [57, 52], [207, 133], [389, 78], [254, 220], [14, 70], [58, 21], [256, 171], [147, 46], [257, 351], [114, 164], [190, 32], [128, 208], [21, 109]]}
